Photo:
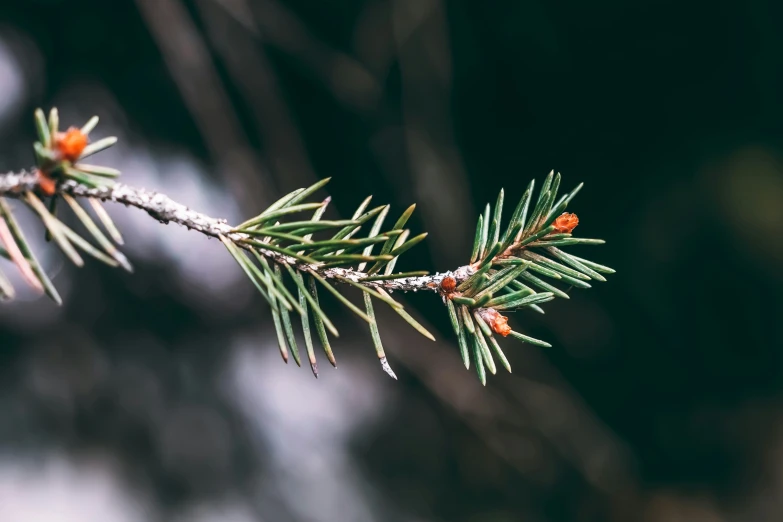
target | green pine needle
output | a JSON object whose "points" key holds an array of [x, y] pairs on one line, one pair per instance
{"points": [[478, 244], [408, 319], [341, 297], [389, 277], [96, 232], [319, 324], [98, 146], [53, 225], [528, 339], [308, 338], [376, 338], [313, 300], [106, 220], [500, 354], [42, 127], [455, 323]]}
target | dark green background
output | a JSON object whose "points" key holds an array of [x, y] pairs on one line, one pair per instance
{"points": [[670, 112]]}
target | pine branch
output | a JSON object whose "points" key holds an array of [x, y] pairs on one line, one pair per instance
{"points": [[279, 243], [166, 210]]}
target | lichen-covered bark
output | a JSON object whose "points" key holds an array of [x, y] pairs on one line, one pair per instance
{"points": [[166, 210]]}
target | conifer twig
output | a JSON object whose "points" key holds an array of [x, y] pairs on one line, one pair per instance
{"points": [[166, 210], [505, 270]]}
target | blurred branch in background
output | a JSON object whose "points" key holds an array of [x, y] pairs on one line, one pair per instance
{"points": [[272, 23], [440, 183], [190, 64], [252, 72]]}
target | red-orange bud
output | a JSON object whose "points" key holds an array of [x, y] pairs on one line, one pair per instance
{"points": [[565, 222], [71, 143], [448, 285], [497, 322], [47, 185]]}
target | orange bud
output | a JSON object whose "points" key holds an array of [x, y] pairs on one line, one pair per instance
{"points": [[71, 143], [448, 285], [496, 321], [47, 185], [566, 222]]}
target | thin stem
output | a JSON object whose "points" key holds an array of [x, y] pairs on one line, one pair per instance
{"points": [[166, 210]]}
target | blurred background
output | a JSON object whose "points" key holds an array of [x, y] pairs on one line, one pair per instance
{"points": [[160, 396]]}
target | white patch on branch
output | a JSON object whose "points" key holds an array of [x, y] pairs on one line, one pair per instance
{"points": [[166, 210]]}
